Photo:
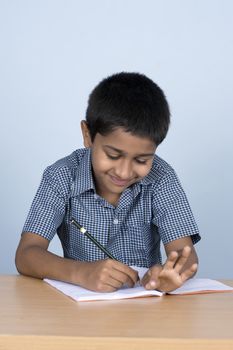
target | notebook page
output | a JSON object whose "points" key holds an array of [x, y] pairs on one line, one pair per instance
{"points": [[81, 294], [191, 286], [201, 285]]}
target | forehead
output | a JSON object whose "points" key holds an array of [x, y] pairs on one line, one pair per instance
{"points": [[125, 142]]}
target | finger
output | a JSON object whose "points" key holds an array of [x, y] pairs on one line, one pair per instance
{"points": [[122, 278], [111, 270], [133, 274], [150, 280], [149, 283], [189, 272], [114, 284], [145, 279], [171, 260], [107, 286], [129, 275], [181, 261], [152, 284]]}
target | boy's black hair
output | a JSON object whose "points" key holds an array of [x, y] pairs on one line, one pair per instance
{"points": [[131, 101]]}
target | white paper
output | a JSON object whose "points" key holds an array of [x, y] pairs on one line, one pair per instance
{"points": [[196, 285], [193, 285], [81, 294]]}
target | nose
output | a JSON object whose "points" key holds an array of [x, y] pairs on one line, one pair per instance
{"points": [[124, 169]]}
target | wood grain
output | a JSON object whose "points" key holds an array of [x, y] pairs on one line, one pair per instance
{"points": [[36, 316]]}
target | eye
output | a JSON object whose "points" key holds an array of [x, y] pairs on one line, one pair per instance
{"points": [[140, 161], [112, 157]]}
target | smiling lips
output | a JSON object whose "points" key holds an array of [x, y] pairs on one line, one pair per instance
{"points": [[119, 182]]}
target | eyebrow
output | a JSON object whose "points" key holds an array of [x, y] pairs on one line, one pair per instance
{"points": [[122, 152]]}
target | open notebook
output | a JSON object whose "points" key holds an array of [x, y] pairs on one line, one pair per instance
{"points": [[192, 286]]}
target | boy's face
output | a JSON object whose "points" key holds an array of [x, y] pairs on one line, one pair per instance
{"points": [[119, 159]]}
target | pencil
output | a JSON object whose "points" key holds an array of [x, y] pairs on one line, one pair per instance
{"points": [[87, 234]]}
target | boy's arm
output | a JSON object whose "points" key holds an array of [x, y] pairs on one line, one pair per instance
{"points": [[33, 259], [181, 264]]}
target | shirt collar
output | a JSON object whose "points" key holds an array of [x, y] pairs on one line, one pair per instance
{"points": [[148, 179], [84, 180], [151, 176]]}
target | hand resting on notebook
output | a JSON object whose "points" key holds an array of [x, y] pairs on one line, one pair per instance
{"points": [[172, 274]]}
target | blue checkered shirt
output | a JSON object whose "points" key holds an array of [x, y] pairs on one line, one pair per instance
{"points": [[154, 209]]}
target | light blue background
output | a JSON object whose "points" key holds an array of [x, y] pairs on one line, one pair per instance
{"points": [[52, 53]]}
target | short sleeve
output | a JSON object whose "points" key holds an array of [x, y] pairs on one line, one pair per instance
{"points": [[48, 207], [171, 211]]}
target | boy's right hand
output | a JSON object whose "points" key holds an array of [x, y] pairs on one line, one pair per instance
{"points": [[105, 275], [34, 259]]}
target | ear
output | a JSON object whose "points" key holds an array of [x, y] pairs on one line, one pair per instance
{"points": [[86, 134]]}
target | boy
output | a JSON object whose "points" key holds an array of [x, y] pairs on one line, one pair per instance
{"points": [[120, 191]]}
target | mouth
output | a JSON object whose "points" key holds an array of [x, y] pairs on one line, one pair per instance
{"points": [[120, 182]]}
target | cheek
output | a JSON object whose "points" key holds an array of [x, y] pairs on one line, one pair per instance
{"points": [[100, 163], [144, 171]]}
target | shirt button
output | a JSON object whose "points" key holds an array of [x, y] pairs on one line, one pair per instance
{"points": [[115, 221]]}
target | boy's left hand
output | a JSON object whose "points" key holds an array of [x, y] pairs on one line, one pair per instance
{"points": [[172, 274]]}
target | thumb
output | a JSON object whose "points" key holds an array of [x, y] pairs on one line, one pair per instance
{"points": [[150, 280]]}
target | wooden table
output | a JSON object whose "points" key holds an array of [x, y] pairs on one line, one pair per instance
{"points": [[36, 316]]}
